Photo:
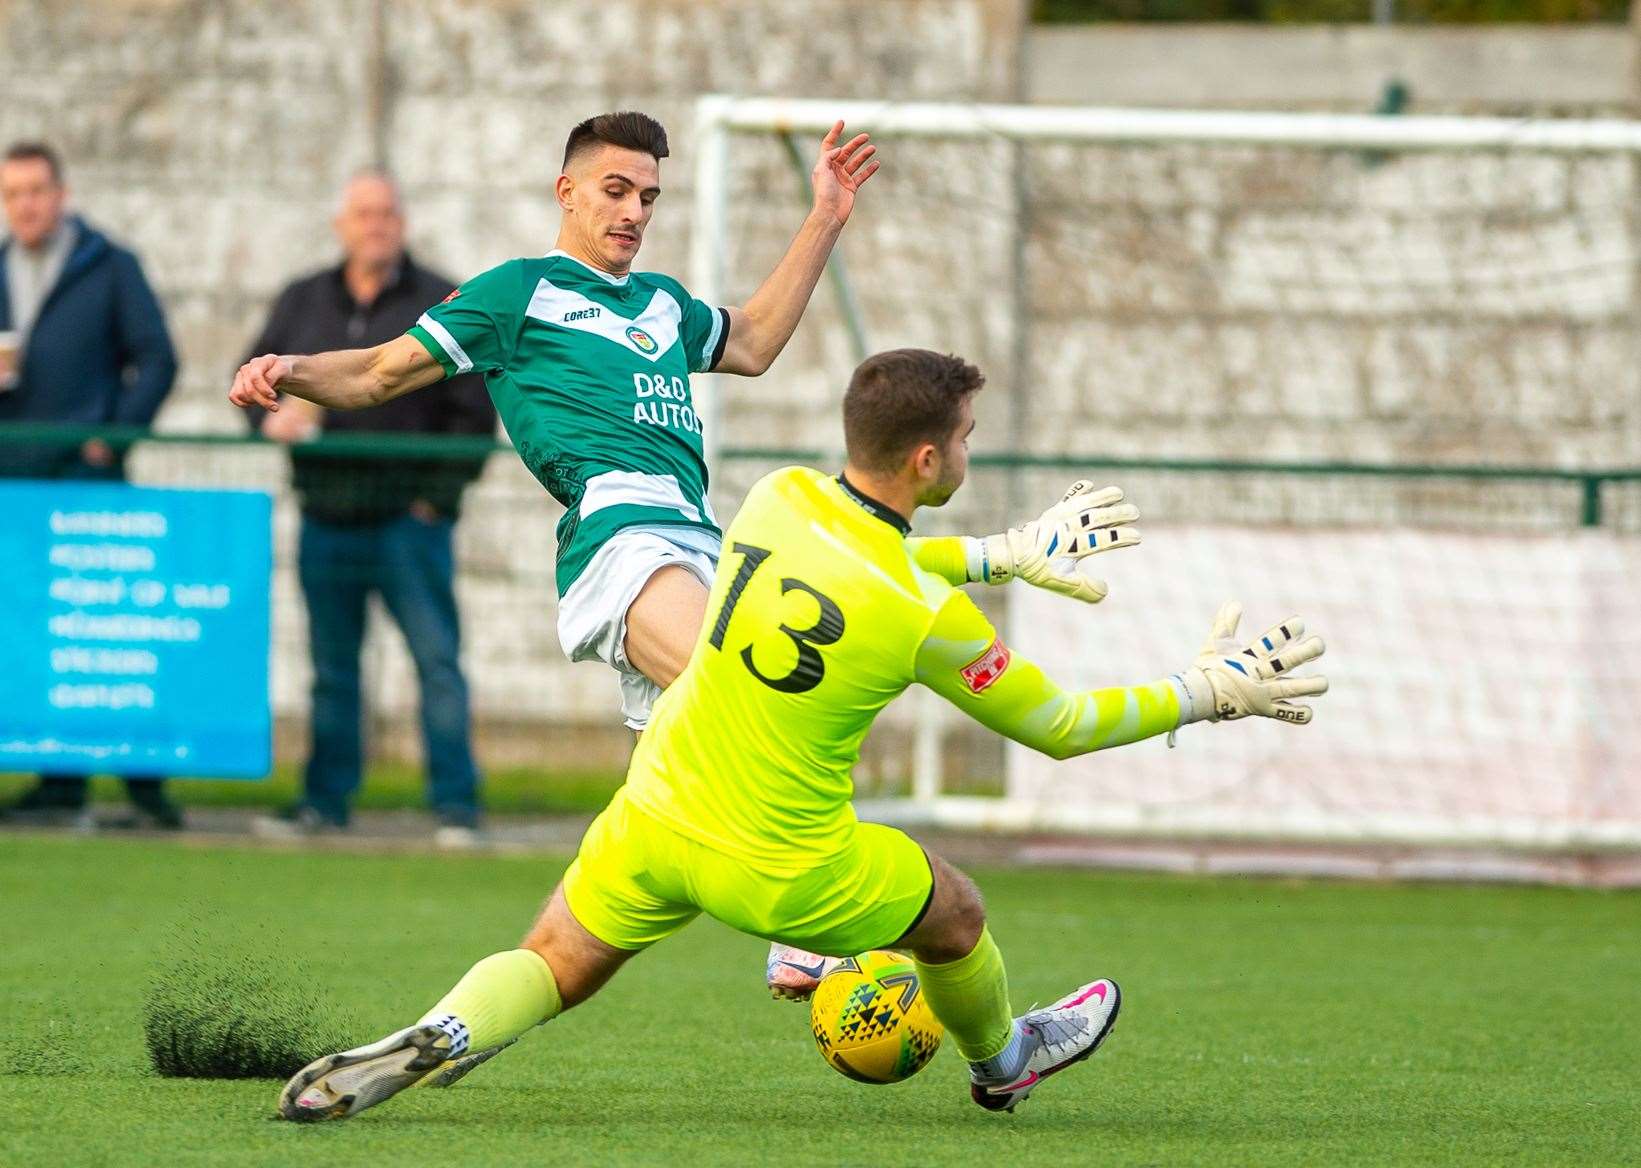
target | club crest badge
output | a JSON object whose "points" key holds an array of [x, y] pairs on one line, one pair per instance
{"points": [[986, 668], [641, 339]]}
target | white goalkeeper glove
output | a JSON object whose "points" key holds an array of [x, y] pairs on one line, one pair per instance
{"points": [[1231, 680], [1051, 551]]}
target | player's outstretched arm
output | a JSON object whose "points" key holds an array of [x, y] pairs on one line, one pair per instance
{"points": [[348, 379], [1049, 552], [759, 330], [964, 661]]}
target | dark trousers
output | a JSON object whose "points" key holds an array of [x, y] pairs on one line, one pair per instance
{"points": [[71, 791], [410, 563]]}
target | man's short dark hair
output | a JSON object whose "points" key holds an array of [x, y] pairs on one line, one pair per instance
{"points": [[628, 129], [32, 151], [898, 400]]}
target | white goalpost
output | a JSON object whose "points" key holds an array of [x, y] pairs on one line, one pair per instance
{"points": [[1308, 285]]}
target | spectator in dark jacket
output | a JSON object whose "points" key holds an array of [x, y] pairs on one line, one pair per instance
{"points": [[85, 343], [377, 525]]}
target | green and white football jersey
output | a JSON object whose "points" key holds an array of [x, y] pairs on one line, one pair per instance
{"points": [[590, 373]]}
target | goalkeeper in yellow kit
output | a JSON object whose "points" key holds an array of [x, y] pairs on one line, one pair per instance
{"points": [[737, 802]]}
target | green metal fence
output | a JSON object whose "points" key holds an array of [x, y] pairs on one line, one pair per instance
{"points": [[1456, 495], [528, 699]]}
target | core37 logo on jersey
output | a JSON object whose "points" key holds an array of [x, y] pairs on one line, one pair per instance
{"points": [[986, 668], [645, 342]]}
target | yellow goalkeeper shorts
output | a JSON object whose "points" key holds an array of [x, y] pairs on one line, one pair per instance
{"points": [[636, 881]]}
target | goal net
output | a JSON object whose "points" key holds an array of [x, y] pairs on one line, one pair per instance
{"points": [[1347, 366]]}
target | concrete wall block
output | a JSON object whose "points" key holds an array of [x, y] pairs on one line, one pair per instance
{"points": [[1503, 69], [1070, 177], [1402, 365], [1114, 372], [927, 48], [1123, 262], [115, 37], [1315, 368], [475, 141], [1459, 181], [1325, 262], [1605, 368]]}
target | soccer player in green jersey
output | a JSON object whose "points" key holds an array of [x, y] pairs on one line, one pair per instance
{"points": [[589, 363], [737, 802]]}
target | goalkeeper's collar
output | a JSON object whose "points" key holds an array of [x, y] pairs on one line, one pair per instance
{"points": [[880, 510]]}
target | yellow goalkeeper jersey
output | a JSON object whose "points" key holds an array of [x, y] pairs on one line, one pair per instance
{"points": [[820, 616]]}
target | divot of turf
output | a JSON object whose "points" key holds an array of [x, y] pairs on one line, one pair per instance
{"points": [[214, 1012]]}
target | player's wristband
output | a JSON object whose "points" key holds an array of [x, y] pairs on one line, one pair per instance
{"points": [[989, 559], [977, 564], [1196, 697]]}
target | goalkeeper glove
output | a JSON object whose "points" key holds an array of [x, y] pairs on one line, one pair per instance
{"points": [[1050, 551], [1231, 680]]}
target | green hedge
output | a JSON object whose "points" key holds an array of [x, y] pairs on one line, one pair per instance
{"points": [[1335, 11]]}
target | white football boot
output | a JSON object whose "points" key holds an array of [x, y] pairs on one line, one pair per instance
{"points": [[448, 1074], [792, 974], [1052, 1039], [342, 1085]]}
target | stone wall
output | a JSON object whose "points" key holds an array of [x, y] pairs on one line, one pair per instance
{"points": [[1513, 70], [213, 135], [1201, 303]]}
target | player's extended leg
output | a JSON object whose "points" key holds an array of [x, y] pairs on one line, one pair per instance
{"points": [[962, 974], [663, 623], [501, 998]]}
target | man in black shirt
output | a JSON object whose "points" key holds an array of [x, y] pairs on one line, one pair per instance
{"points": [[375, 525]]}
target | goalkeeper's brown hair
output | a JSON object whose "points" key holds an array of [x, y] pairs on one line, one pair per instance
{"points": [[627, 129], [900, 399]]}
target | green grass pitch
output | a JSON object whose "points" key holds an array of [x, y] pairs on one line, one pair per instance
{"points": [[1264, 1023]]}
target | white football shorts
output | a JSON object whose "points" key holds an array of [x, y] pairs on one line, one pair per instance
{"points": [[592, 615]]}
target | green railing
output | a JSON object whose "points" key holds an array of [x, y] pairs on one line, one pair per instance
{"points": [[1589, 482]]}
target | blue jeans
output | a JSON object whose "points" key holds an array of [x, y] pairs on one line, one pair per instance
{"points": [[410, 563]]}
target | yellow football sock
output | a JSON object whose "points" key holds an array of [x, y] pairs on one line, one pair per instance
{"points": [[499, 999], [970, 996]]}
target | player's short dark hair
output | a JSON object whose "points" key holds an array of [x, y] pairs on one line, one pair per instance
{"points": [[628, 129], [898, 400], [32, 151]]}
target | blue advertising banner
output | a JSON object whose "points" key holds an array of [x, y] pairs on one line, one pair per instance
{"points": [[135, 630]]}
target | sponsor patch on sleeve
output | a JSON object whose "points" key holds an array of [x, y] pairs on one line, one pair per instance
{"points": [[986, 668]]}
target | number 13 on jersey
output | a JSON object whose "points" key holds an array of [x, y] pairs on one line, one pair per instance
{"points": [[806, 674]]}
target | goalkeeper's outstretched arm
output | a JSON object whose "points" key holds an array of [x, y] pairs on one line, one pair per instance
{"points": [[964, 661], [348, 379]]}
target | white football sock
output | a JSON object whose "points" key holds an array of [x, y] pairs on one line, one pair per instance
{"points": [[1007, 1063]]}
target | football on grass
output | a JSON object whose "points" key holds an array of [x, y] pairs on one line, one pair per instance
{"points": [[871, 1021]]}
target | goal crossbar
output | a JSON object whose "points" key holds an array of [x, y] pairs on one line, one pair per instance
{"points": [[1111, 124]]}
